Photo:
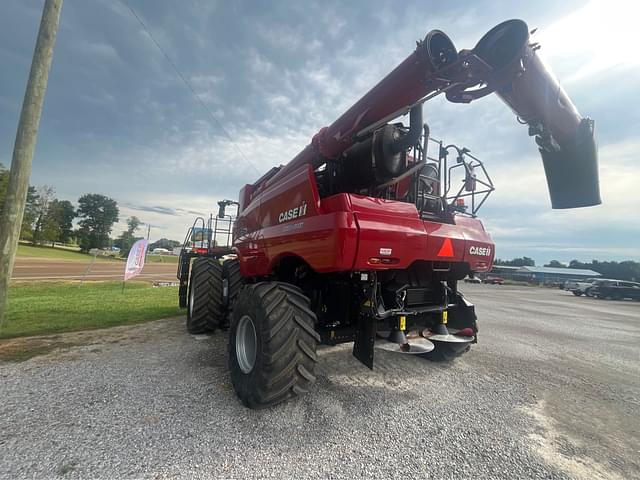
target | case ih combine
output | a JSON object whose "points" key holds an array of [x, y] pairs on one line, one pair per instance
{"points": [[363, 236]]}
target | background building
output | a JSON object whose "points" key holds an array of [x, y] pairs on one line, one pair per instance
{"points": [[552, 275]]}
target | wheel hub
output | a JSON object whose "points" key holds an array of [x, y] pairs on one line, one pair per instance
{"points": [[246, 344]]}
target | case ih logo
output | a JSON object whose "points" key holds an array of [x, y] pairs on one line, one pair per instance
{"points": [[297, 212], [483, 251]]}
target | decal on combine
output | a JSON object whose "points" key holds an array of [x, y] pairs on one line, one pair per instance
{"points": [[297, 212], [447, 248], [482, 251]]}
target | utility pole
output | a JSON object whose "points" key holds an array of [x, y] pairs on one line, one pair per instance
{"points": [[11, 219]]}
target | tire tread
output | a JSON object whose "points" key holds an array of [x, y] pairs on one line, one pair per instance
{"points": [[285, 369], [206, 278]]}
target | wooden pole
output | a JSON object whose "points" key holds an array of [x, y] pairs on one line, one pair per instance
{"points": [[25, 144]]}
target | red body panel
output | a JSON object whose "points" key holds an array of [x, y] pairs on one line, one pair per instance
{"points": [[345, 232]]}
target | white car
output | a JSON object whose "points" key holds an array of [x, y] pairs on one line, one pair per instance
{"points": [[579, 288], [472, 280]]}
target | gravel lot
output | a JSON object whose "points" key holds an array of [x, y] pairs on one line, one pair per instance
{"points": [[551, 391]]}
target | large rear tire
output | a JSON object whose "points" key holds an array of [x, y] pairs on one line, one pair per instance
{"points": [[204, 304], [272, 344]]}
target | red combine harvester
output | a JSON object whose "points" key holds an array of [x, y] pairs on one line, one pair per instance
{"points": [[364, 235]]}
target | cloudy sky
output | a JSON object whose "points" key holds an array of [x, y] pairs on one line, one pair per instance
{"points": [[119, 121]]}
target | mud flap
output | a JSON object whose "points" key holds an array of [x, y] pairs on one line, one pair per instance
{"points": [[365, 340], [463, 315]]}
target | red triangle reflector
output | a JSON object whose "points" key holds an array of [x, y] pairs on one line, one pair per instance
{"points": [[446, 250]]}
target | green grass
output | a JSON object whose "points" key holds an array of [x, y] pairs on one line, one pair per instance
{"points": [[161, 259], [58, 254], [43, 308], [63, 253]]}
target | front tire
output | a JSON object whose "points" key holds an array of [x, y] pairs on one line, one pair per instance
{"points": [[272, 344], [577, 293], [204, 305]]}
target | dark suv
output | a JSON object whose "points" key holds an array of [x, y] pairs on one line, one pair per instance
{"points": [[614, 289]]}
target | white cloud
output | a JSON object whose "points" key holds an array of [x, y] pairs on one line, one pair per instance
{"points": [[599, 36], [286, 83], [97, 51]]}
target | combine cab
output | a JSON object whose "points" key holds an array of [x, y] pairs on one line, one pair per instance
{"points": [[365, 234]]}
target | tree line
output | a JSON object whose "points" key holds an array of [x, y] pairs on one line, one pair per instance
{"points": [[625, 270], [48, 220]]}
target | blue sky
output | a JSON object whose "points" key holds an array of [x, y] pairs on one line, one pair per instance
{"points": [[118, 121]]}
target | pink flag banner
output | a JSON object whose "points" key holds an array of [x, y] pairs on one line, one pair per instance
{"points": [[135, 260]]}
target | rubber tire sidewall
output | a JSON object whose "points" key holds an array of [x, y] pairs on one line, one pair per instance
{"points": [[235, 281], [243, 382], [213, 302], [253, 387]]}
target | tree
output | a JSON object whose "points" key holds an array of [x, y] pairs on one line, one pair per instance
{"points": [[64, 213], [165, 243], [97, 215], [58, 222], [516, 262], [30, 214], [26, 231], [41, 209], [555, 264], [625, 270], [4, 181], [133, 223], [128, 238], [49, 230]]}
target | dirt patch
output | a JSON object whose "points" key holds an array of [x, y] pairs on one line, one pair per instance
{"points": [[73, 344], [12, 351], [563, 451]]}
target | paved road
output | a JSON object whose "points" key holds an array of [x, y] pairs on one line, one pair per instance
{"points": [[45, 269], [551, 391]]}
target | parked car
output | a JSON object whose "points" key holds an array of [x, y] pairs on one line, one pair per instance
{"points": [[579, 287], [494, 280], [472, 280], [614, 289]]}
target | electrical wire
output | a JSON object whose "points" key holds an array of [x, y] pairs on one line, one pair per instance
{"points": [[189, 86]]}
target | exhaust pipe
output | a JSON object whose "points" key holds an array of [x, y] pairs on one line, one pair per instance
{"points": [[415, 130], [565, 139]]}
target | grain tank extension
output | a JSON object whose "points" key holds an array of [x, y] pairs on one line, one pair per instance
{"points": [[365, 234]]}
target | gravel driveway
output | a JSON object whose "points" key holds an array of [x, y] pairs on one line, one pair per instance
{"points": [[551, 391]]}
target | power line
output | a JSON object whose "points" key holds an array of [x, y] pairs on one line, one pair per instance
{"points": [[190, 87]]}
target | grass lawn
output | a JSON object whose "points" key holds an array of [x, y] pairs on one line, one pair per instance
{"points": [[58, 254], [61, 253], [161, 259], [43, 308]]}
